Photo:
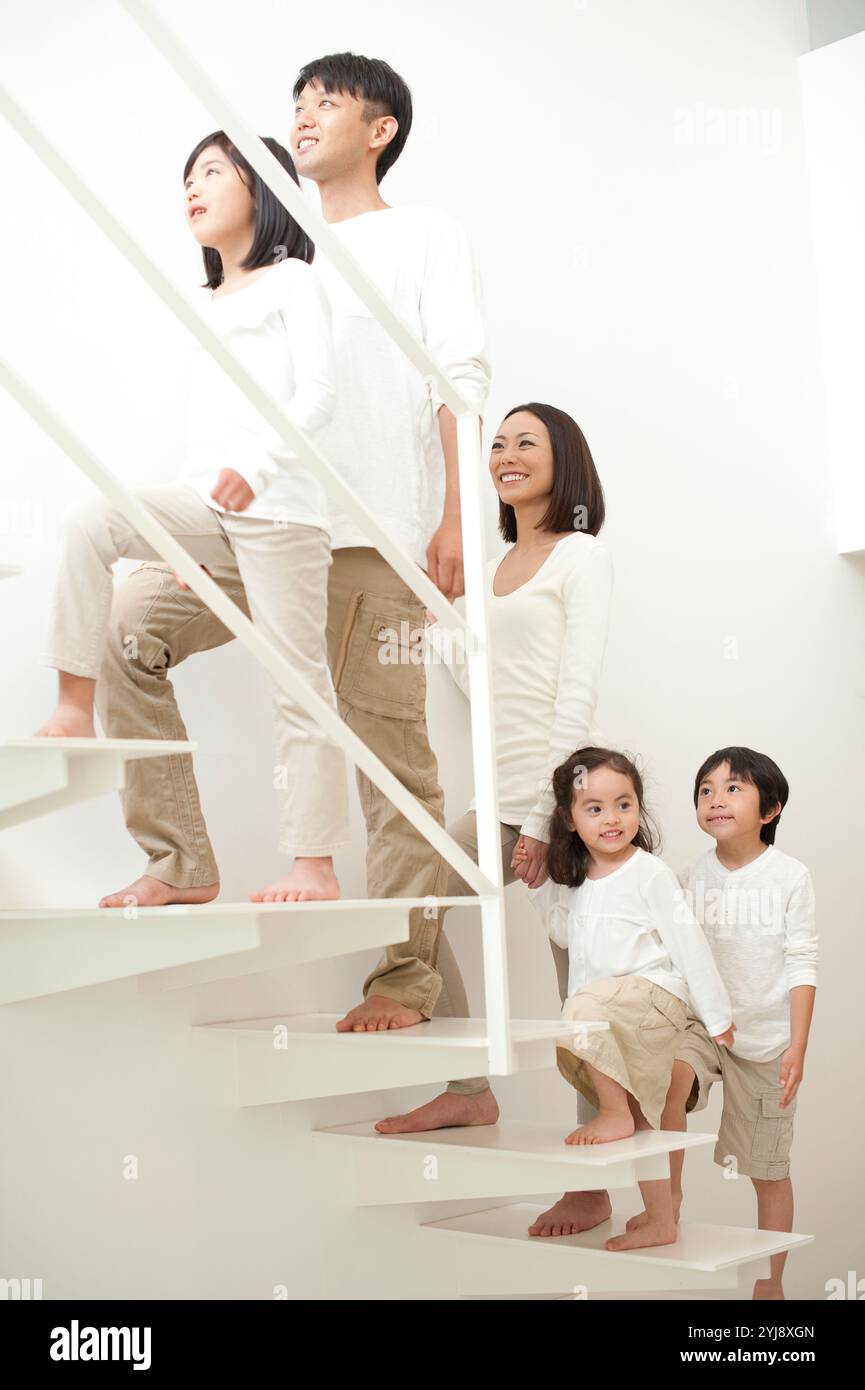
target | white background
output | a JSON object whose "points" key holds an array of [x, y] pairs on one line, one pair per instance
{"points": [[632, 177]]}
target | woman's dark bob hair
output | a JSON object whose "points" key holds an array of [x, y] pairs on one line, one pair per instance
{"points": [[277, 236], [748, 766], [577, 498], [568, 859]]}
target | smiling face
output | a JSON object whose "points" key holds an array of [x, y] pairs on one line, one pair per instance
{"points": [[605, 813], [521, 460], [728, 808], [331, 137], [219, 205]]}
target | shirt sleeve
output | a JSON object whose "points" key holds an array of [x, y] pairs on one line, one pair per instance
{"points": [[305, 313], [688, 949], [553, 913], [587, 594], [452, 313], [447, 647], [800, 934]]}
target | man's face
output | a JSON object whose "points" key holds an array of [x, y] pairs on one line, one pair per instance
{"points": [[330, 137]]}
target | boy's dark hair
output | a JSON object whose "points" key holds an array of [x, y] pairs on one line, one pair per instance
{"points": [[575, 479], [372, 81], [761, 771], [277, 235], [568, 859]]}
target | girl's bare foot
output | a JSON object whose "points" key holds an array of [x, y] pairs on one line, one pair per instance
{"points": [[634, 1222], [67, 721], [575, 1212], [310, 881], [658, 1231], [448, 1110], [377, 1014], [605, 1128], [152, 892]]}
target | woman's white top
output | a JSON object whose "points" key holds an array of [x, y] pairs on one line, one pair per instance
{"points": [[636, 921], [760, 924], [384, 438], [279, 328], [548, 639]]}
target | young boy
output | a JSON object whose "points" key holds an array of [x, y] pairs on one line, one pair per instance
{"points": [[756, 907]]}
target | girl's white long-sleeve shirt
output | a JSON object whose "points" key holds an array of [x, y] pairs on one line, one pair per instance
{"points": [[548, 639], [279, 327], [760, 924], [636, 921]]}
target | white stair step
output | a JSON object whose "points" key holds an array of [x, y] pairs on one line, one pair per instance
{"points": [[46, 951], [491, 1252], [7, 571], [38, 775], [301, 1056], [502, 1160]]}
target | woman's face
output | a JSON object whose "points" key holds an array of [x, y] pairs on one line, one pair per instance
{"points": [[521, 460], [604, 811], [219, 205]]}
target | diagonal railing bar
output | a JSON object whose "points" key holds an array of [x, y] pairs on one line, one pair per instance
{"points": [[236, 621]]}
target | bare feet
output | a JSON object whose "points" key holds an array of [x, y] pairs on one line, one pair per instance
{"points": [[659, 1231], [67, 721], [377, 1014], [446, 1111], [767, 1291], [152, 892], [634, 1222], [310, 881], [605, 1128], [575, 1212]]}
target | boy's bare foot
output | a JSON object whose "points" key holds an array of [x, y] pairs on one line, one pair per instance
{"points": [[767, 1291], [605, 1128], [67, 721], [152, 892], [634, 1222], [446, 1111], [575, 1212], [377, 1014], [309, 881], [656, 1232]]}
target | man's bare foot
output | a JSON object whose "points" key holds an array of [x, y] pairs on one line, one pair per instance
{"points": [[767, 1291], [575, 1212], [656, 1232], [605, 1128], [152, 892], [445, 1112], [634, 1222], [377, 1014], [309, 881], [67, 721]]}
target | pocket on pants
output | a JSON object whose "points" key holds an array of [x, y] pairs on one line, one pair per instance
{"points": [[380, 665], [773, 1130]]}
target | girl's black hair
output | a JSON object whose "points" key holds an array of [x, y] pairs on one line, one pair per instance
{"points": [[762, 772], [568, 859], [576, 485], [372, 81], [277, 235]]}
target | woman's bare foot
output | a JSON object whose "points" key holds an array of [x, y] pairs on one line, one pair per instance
{"points": [[377, 1014], [767, 1291], [446, 1111], [658, 1231], [67, 721], [575, 1212], [605, 1128], [310, 881], [634, 1222], [152, 892]]}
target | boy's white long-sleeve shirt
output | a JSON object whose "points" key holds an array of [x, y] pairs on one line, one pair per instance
{"points": [[384, 437], [636, 921], [279, 327], [760, 924]]}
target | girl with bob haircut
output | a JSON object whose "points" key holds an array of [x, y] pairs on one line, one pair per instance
{"points": [[243, 505]]}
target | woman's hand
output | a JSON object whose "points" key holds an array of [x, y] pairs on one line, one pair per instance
{"points": [[529, 861], [232, 491]]}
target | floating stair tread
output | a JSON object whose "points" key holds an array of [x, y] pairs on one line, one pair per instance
{"points": [[92, 747], [7, 571], [701, 1246], [532, 1141], [217, 909], [437, 1032]]}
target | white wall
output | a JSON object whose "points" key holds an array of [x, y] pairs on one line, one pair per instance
{"points": [[633, 178]]}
